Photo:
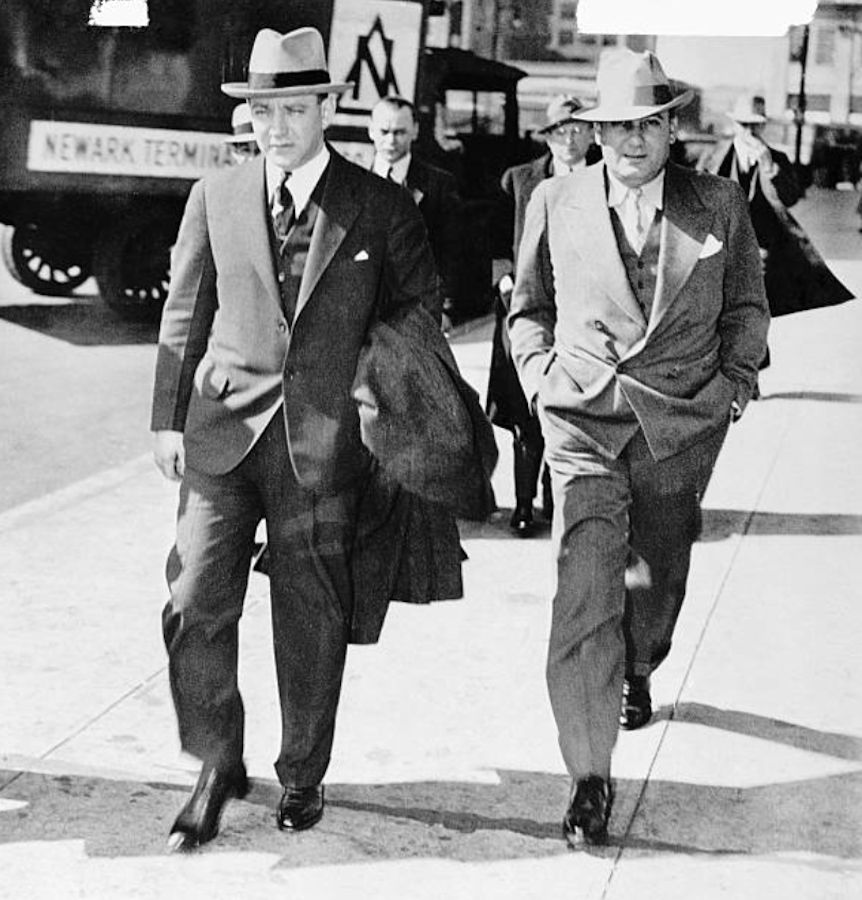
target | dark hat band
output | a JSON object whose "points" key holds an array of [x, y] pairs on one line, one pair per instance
{"points": [[652, 95], [261, 81], [245, 128]]}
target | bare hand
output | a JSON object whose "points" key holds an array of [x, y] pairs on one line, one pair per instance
{"points": [[170, 454]]}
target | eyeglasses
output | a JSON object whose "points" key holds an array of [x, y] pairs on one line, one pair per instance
{"points": [[570, 128]]}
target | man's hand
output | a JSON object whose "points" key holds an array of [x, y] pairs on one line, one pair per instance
{"points": [[169, 454]]}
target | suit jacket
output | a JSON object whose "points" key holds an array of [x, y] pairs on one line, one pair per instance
{"points": [[580, 339], [435, 192], [228, 361], [796, 275], [518, 183]]}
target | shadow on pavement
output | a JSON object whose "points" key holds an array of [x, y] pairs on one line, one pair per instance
{"points": [[720, 524], [818, 396], [517, 818], [83, 321]]}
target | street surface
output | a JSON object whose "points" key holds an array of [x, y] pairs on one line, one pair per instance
{"points": [[446, 780]]}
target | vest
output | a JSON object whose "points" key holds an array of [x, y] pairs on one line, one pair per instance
{"points": [[642, 270], [291, 257]]}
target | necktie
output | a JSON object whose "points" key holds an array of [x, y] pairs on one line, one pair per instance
{"points": [[389, 175], [282, 210], [637, 227]]}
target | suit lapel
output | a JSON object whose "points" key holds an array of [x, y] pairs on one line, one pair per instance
{"points": [[594, 241], [339, 208], [685, 225], [252, 217]]}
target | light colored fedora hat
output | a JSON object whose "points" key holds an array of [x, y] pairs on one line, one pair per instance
{"points": [[240, 123], [561, 110], [632, 86], [284, 65], [749, 109]]}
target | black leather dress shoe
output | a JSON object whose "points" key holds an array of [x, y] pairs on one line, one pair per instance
{"points": [[300, 808], [198, 821], [636, 707], [586, 819], [521, 522]]}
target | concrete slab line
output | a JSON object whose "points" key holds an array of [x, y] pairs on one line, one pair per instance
{"points": [[74, 493], [687, 673]]}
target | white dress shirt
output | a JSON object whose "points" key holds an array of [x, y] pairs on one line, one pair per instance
{"points": [[558, 168], [396, 171], [301, 182], [636, 207]]}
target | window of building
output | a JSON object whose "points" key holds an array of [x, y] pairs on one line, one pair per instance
{"points": [[568, 11], [824, 46], [566, 37], [119, 13]]}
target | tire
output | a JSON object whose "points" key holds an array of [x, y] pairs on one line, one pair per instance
{"points": [[132, 265], [45, 259]]}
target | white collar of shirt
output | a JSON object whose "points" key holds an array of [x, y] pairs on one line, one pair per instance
{"points": [[302, 181], [399, 169], [652, 197], [743, 155], [558, 168]]}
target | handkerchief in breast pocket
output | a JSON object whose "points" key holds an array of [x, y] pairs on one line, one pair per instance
{"points": [[361, 256], [711, 246]]}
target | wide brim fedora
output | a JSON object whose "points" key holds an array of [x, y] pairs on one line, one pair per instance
{"points": [[632, 86], [286, 65], [744, 110], [562, 110], [240, 122]]}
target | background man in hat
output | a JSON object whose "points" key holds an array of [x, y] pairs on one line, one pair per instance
{"points": [[570, 147], [242, 143], [638, 320], [393, 129], [796, 275], [279, 268]]}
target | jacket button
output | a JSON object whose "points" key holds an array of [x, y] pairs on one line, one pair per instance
{"points": [[599, 325], [282, 326], [281, 277]]}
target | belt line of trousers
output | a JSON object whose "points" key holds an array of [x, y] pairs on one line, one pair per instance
{"points": [[310, 539], [623, 531]]}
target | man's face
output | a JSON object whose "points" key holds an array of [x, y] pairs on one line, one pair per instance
{"points": [[635, 152], [393, 131], [289, 130], [570, 141]]}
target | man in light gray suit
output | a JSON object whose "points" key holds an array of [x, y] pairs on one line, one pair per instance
{"points": [[638, 320]]}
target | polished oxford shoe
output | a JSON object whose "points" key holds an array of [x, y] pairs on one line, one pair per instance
{"points": [[300, 808], [521, 522], [586, 819], [636, 707], [198, 821]]}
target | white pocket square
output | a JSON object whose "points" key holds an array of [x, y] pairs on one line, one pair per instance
{"points": [[361, 256], [711, 246]]}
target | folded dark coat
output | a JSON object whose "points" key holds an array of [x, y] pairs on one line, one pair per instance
{"points": [[434, 453]]}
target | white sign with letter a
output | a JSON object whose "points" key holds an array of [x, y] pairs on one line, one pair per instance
{"points": [[374, 44]]}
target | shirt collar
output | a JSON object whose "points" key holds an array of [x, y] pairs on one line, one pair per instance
{"points": [[653, 191], [558, 168], [303, 179], [399, 169]]}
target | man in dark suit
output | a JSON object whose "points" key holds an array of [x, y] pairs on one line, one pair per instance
{"points": [[796, 275], [393, 129], [280, 267], [569, 142], [638, 320]]}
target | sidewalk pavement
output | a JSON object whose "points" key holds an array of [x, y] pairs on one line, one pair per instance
{"points": [[446, 780]]}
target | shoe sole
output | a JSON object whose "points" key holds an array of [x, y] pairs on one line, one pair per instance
{"points": [[577, 838]]}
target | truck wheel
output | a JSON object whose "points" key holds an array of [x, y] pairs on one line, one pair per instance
{"points": [[44, 259], [132, 266]]}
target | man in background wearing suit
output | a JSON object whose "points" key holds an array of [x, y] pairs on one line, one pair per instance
{"points": [[280, 267], [393, 129], [569, 142], [638, 320]]}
